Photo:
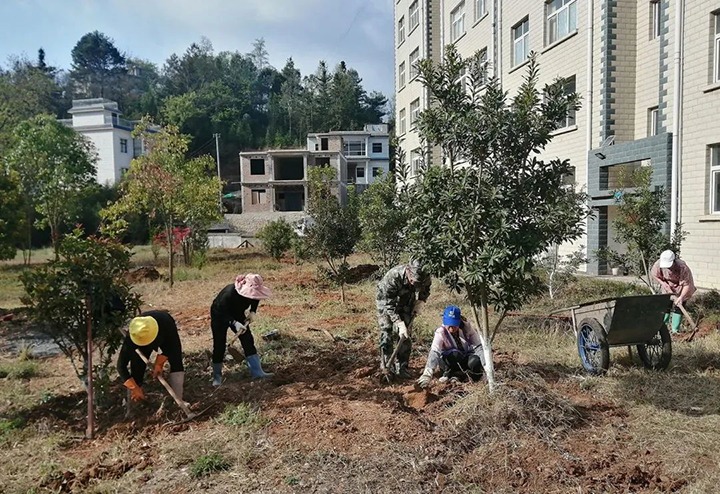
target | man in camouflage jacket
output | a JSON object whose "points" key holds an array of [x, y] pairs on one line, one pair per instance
{"points": [[397, 306]]}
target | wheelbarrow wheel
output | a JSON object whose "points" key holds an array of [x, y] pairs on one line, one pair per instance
{"points": [[593, 346], [656, 353]]}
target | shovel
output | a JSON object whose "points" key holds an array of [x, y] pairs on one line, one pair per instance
{"points": [[232, 350], [188, 414], [691, 321], [388, 365]]}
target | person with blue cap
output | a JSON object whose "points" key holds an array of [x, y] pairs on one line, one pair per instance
{"points": [[456, 349], [151, 331]]}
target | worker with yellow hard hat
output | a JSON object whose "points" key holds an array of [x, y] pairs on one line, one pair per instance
{"points": [[153, 330]]}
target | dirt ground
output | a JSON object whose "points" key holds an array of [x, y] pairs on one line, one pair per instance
{"points": [[328, 422]]}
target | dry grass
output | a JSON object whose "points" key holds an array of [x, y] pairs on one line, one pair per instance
{"points": [[549, 427]]}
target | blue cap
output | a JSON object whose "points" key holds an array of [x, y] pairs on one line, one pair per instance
{"points": [[451, 316]]}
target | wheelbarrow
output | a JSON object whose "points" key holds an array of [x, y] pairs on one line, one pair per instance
{"points": [[623, 321]]}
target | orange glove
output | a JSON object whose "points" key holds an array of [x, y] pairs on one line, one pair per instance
{"points": [[136, 392], [159, 364]]}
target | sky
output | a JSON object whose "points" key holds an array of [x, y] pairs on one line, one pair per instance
{"points": [[360, 32]]}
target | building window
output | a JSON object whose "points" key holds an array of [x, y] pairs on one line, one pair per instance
{"points": [[457, 22], [561, 19], [123, 171], [323, 144], [569, 120], [480, 9], [401, 122], [123, 145], [653, 122], [715, 178], [414, 56], [257, 167], [654, 19], [414, 112], [354, 148], [401, 30], [401, 75], [415, 160], [521, 41], [483, 67], [377, 147], [258, 196], [376, 171], [414, 16], [360, 172], [716, 49]]}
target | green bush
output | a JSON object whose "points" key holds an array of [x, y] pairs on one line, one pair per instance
{"points": [[19, 370], [277, 238], [207, 464]]}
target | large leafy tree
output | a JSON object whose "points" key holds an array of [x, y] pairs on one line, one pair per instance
{"points": [[26, 90], [11, 214], [335, 229], [97, 65], [88, 273], [168, 187], [383, 219], [481, 226], [55, 165]]}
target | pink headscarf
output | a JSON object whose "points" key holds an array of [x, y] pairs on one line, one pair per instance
{"points": [[251, 286]]}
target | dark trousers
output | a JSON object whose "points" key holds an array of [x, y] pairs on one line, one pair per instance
{"points": [[458, 364], [219, 332], [138, 366]]}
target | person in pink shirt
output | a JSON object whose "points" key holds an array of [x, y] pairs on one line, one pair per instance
{"points": [[675, 278], [456, 350]]}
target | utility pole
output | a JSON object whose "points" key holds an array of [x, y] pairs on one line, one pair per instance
{"points": [[217, 158]]}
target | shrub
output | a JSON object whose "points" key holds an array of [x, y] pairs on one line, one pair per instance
{"points": [[277, 238], [19, 370], [242, 415], [207, 464]]}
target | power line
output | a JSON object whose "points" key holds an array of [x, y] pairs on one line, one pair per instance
{"points": [[200, 149]]}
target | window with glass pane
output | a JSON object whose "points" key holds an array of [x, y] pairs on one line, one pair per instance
{"points": [[354, 148], [654, 19], [715, 178], [569, 121], [457, 22], [480, 9], [414, 111], [414, 15], [653, 121], [401, 30], [716, 72], [401, 120], [483, 62], [416, 159], [521, 42], [401, 75], [561, 19], [414, 56]]}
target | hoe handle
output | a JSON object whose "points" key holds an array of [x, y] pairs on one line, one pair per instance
{"points": [[169, 389]]}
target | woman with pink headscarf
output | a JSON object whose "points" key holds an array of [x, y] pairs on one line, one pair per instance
{"points": [[228, 310]]}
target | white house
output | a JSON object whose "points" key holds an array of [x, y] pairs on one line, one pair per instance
{"points": [[99, 120]]}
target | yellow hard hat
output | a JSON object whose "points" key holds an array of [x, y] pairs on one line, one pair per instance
{"points": [[143, 330]]}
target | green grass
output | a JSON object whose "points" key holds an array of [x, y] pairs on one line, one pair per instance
{"points": [[242, 415], [209, 463], [22, 369]]}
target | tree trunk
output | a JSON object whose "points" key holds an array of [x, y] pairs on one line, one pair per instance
{"points": [[29, 240], [342, 292], [486, 340], [55, 241], [171, 251], [90, 431]]}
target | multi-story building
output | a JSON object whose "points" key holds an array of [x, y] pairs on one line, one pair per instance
{"points": [[99, 120], [277, 180], [648, 72]]}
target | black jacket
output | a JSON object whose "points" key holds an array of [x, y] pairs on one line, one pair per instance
{"points": [[230, 306], [168, 340]]}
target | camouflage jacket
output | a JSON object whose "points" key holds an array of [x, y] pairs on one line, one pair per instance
{"points": [[396, 296]]}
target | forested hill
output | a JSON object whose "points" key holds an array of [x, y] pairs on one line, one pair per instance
{"points": [[250, 103]]}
